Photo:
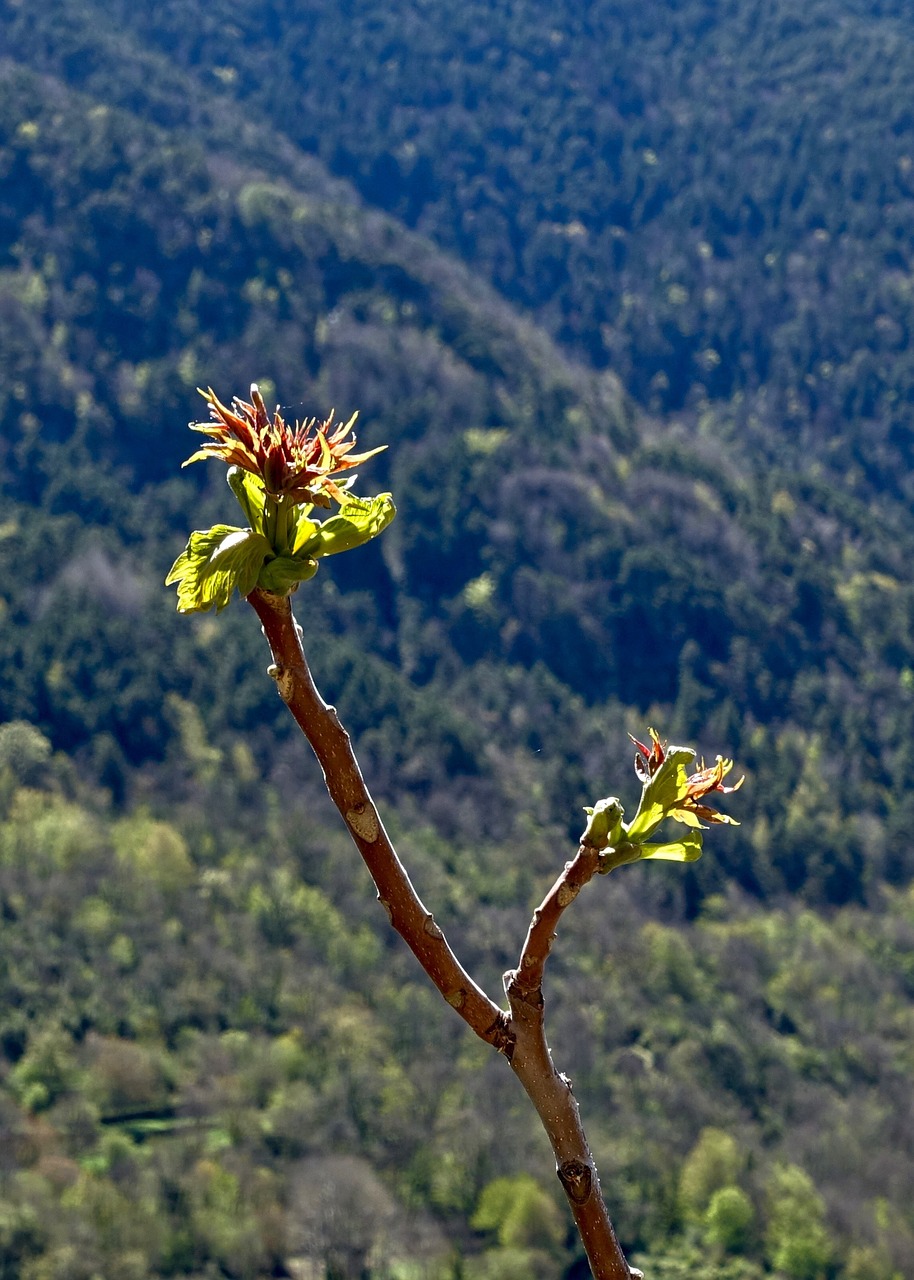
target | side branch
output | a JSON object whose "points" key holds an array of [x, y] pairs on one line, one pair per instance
{"points": [[520, 1036], [330, 743], [549, 1090], [528, 976]]}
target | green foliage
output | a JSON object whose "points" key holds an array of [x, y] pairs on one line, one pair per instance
{"points": [[214, 564], [619, 581], [520, 1213], [510, 1263], [713, 1164], [47, 1071], [154, 851], [21, 1236], [691, 1263], [357, 522], [223, 559], [762, 265], [729, 1219], [688, 849], [568, 569], [869, 1263], [173, 1034], [797, 1239], [54, 831], [24, 752], [225, 1220]]}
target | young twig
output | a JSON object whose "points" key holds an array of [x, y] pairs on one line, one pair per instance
{"points": [[548, 1089]]}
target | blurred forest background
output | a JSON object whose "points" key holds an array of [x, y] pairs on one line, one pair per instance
{"points": [[627, 288]]}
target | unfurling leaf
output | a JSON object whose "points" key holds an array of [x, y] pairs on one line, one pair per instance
{"points": [[668, 792], [279, 473], [688, 849], [303, 529], [662, 792], [625, 851], [249, 491], [283, 574], [214, 563], [359, 521]]}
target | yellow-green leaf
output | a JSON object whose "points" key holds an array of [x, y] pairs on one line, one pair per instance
{"points": [[214, 563], [688, 849], [283, 574], [359, 521], [249, 491], [661, 793]]}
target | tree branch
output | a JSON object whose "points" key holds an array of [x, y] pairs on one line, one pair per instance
{"points": [[528, 976], [330, 743], [548, 1089], [519, 1037]]}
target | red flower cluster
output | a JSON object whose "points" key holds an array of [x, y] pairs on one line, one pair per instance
{"points": [[297, 463]]}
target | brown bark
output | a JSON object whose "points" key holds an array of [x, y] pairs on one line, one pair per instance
{"points": [[520, 1036], [540, 936], [548, 1089], [330, 743]]}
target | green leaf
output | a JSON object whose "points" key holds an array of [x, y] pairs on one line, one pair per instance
{"points": [[304, 529], [688, 849], [214, 563], [283, 574], [249, 491], [358, 521], [661, 793]]}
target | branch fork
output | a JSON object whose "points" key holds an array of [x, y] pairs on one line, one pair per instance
{"points": [[279, 474], [517, 1034]]}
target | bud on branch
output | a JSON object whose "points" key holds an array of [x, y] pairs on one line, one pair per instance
{"points": [[279, 474]]}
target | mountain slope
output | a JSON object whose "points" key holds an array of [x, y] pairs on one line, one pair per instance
{"points": [[542, 526], [198, 996], [714, 199]]}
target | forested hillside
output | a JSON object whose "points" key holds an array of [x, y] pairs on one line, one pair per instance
{"points": [[713, 198], [625, 290]]}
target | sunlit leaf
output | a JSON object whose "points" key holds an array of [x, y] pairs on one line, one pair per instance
{"points": [[284, 573], [215, 563], [249, 491], [358, 521], [305, 529], [688, 849], [662, 792]]}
